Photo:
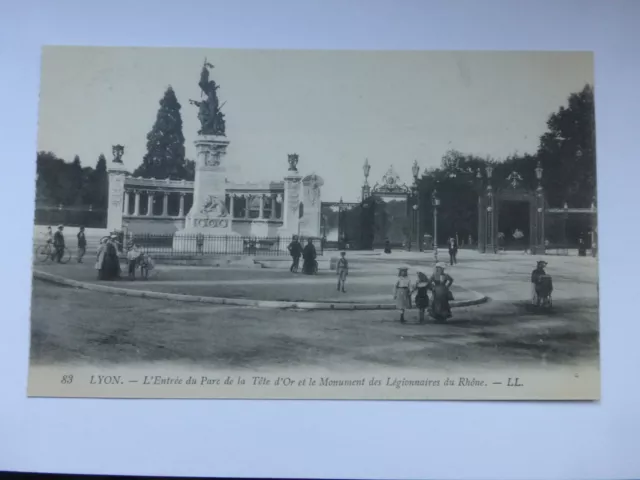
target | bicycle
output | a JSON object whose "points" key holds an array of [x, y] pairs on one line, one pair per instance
{"points": [[47, 252]]}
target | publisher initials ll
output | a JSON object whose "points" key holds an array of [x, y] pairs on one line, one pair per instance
{"points": [[513, 382]]}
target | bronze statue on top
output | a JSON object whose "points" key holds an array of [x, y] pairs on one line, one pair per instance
{"points": [[211, 118]]}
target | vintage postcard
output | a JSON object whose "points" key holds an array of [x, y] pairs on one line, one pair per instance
{"points": [[399, 225]]}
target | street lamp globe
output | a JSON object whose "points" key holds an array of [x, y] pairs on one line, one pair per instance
{"points": [[566, 206], [539, 171], [489, 209], [489, 169], [415, 169], [478, 174], [415, 207], [435, 201]]}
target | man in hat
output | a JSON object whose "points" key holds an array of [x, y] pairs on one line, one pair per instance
{"points": [[538, 272], [295, 250], [58, 244], [342, 270]]}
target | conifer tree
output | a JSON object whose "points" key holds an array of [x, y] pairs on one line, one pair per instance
{"points": [[165, 157]]}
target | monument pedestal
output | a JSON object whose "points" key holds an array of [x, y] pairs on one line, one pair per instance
{"points": [[208, 223]]}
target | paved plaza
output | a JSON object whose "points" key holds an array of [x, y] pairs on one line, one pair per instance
{"points": [[76, 325]]}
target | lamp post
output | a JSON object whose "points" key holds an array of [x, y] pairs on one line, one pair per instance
{"points": [[594, 227], [341, 234], [565, 217], [540, 246], [435, 202], [366, 168], [415, 170], [490, 229]]}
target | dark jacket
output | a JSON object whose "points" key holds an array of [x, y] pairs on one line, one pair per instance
{"points": [[58, 239], [295, 249]]}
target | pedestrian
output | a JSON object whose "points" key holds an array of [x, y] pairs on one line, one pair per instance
{"points": [[538, 272], [422, 295], [453, 251], [582, 248], [200, 243], [309, 258], [133, 257], [295, 250], [342, 270], [58, 244], [441, 284], [82, 244], [402, 292], [108, 262], [387, 246]]}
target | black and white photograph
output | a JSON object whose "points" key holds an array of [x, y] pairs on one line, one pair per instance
{"points": [[300, 224]]}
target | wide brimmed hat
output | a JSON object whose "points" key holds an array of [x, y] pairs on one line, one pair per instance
{"points": [[403, 269], [60, 226], [542, 262], [441, 265]]}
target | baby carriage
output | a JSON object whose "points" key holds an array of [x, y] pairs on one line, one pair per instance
{"points": [[543, 290]]}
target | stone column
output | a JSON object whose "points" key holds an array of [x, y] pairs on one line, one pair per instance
{"points": [[127, 195], [247, 205], [165, 204], [261, 214], [231, 205], [136, 204], [181, 211], [150, 197], [116, 175], [291, 202], [273, 206]]}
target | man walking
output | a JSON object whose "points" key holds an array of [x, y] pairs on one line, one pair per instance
{"points": [[342, 270], [58, 244], [295, 250], [453, 251], [82, 244]]}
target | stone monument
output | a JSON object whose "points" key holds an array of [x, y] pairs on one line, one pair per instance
{"points": [[117, 174], [209, 216]]}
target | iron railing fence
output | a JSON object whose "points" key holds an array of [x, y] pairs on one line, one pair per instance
{"points": [[190, 245]]}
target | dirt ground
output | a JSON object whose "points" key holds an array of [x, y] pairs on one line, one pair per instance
{"points": [[71, 325]]}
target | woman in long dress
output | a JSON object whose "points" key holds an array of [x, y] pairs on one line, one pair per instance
{"points": [[422, 295], [440, 284], [101, 253], [309, 258], [402, 292], [108, 263]]}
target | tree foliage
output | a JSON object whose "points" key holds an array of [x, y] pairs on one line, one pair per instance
{"points": [[566, 152], [69, 184], [165, 157]]}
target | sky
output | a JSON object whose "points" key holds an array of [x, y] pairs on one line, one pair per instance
{"points": [[333, 108]]}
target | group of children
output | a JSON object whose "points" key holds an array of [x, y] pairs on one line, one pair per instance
{"points": [[439, 284]]}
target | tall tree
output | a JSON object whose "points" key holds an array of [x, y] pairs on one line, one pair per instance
{"points": [[165, 157], [568, 152]]}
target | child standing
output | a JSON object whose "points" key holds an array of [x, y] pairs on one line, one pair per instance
{"points": [[402, 292], [342, 270]]}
